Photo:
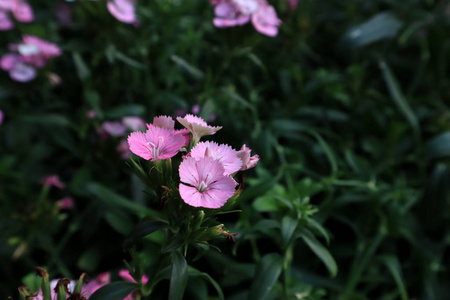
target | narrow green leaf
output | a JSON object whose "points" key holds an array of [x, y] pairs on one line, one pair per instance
{"points": [[113, 199], [398, 97], [119, 220], [328, 151], [142, 230], [114, 290], [194, 272], [129, 61], [288, 227], [394, 267], [193, 71], [82, 69], [380, 27], [313, 224], [179, 276], [47, 119], [320, 251], [266, 274], [173, 244], [125, 110]]}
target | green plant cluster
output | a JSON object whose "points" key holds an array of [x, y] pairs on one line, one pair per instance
{"points": [[348, 109]]}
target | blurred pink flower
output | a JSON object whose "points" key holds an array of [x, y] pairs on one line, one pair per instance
{"points": [[226, 155], [112, 128], [65, 203], [195, 109], [228, 14], [248, 161], [197, 126], [122, 10], [123, 149], [32, 53], [238, 12], [21, 10], [265, 20], [53, 180], [133, 123], [1, 117], [125, 275], [203, 183], [91, 114], [63, 13], [156, 143], [293, 4]]}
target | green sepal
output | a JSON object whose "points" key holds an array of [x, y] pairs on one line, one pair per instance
{"points": [[61, 292], [79, 284]]}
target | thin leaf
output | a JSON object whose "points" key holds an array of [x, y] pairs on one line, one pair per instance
{"points": [[288, 227], [129, 61], [394, 267], [194, 272], [266, 274], [320, 251], [328, 151], [398, 98], [380, 27], [82, 69], [313, 224], [114, 290], [179, 276], [193, 71], [142, 230]]}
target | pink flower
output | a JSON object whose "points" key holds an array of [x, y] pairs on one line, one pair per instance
{"points": [[122, 10], [293, 4], [5, 21], [195, 109], [63, 13], [112, 128], [37, 52], [123, 149], [169, 123], [53, 180], [1, 117], [133, 123], [197, 126], [91, 114], [18, 70], [93, 285], [125, 275], [228, 14], [265, 20], [226, 155], [21, 10], [65, 203], [156, 143], [248, 161], [203, 183]]}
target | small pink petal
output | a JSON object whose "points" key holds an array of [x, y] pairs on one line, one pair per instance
{"points": [[265, 20], [23, 12], [22, 72], [164, 122], [5, 21], [197, 126], [65, 203], [248, 161], [8, 61], [1, 117], [53, 180], [226, 155], [114, 128], [122, 10], [133, 123]]}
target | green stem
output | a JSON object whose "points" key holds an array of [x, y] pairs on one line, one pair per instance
{"points": [[287, 269]]}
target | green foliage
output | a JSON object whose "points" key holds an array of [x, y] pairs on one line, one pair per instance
{"points": [[347, 108]]}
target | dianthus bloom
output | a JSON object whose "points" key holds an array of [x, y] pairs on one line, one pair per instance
{"points": [[169, 123], [123, 10], [238, 12], [226, 155], [203, 183], [197, 126], [156, 143], [248, 161], [31, 54], [20, 9]]}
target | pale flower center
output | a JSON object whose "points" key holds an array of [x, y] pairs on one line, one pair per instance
{"points": [[155, 149], [202, 186]]}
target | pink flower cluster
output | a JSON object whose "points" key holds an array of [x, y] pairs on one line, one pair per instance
{"points": [[206, 172], [123, 10], [230, 13], [20, 9], [31, 54], [89, 288], [53, 180]]}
